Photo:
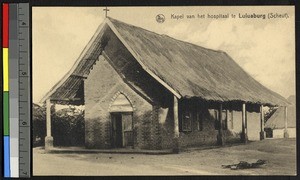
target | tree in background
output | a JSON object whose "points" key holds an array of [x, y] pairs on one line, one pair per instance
{"points": [[39, 125], [67, 126], [269, 113]]}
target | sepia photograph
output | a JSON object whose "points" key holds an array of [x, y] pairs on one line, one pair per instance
{"points": [[185, 90]]}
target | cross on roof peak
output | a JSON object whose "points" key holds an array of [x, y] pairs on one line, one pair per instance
{"points": [[106, 9]]}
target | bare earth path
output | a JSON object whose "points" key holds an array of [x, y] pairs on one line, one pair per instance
{"points": [[280, 154]]}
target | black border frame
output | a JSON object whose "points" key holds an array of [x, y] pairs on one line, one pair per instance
{"points": [[72, 3]]}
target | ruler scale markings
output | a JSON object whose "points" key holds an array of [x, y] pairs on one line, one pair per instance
{"points": [[13, 92], [24, 91]]}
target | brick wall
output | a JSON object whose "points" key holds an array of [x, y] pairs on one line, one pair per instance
{"points": [[153, 125], [253, 124], [166, 122], [208, 135], [102, 84]]}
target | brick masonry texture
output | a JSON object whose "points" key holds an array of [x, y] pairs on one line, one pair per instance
{"points": [[102, 84], [153, 125], [153, 118]]}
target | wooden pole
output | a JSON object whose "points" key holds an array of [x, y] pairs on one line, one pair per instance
{"points": [[48, 119], [232, 126], [176, 127], [286, 134], [48, 138], [262, 123], [227, 117], [244, 136], [220, 137]]}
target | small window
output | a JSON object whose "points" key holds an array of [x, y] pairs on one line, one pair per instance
{"points": [[186, 121], [224, 120]]}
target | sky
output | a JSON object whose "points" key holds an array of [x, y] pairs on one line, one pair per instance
{"points": [[264, 48]]}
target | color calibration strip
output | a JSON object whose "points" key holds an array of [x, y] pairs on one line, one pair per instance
{"points": [[5, 50], [16, 90]]}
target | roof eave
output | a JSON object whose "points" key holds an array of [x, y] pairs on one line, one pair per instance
{"points": [[65, 77]]}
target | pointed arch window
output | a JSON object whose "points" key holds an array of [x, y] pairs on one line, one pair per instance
{"points": [[121, 104]]}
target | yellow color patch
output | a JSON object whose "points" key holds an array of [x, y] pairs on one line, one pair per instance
{"points": [[5, 69]]}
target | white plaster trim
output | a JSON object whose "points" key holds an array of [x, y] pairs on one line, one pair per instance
{"points": [[115, 97]]}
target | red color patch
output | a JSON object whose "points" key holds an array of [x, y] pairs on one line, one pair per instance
{"points": [[5, 25]]}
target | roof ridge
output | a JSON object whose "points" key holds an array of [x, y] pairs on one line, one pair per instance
{"points": [[147, 34], [165, 35], [134, 38]]}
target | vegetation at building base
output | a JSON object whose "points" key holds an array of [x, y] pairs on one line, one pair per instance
{"points": [[269, 113], [67, 126], [38, 125]]}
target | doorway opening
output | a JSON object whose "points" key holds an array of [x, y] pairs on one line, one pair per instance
{"points": [[121, 122], [122, 133]]}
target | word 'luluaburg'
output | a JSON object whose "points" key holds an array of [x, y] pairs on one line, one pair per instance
{"points": [[225, 16]]}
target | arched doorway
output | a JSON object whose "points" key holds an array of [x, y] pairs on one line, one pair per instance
{"points": [[121, 122]]}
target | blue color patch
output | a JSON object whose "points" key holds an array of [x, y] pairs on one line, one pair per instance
{"points": [[6, 156]]}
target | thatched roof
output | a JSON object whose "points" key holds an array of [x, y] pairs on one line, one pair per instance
{"points": [[187, 70], [276, 121]]}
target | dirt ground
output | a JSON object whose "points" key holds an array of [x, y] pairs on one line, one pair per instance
{"points": [[279, 153]]}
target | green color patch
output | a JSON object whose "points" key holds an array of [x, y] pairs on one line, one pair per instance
{"points": [[6, 113]]}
